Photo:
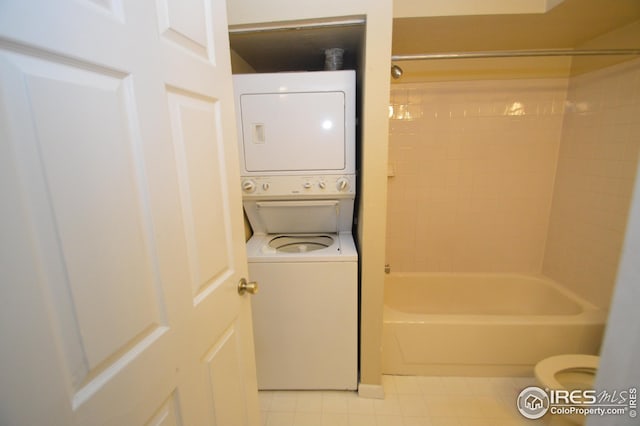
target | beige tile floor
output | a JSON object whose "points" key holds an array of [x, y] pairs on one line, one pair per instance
{"points": [[409, 401]]}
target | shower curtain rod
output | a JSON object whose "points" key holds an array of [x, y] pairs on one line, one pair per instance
{"points": [[514, 54]]}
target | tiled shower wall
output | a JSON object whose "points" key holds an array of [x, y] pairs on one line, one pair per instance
{"points": [[476, 187], [473, 166], [597, 165]]}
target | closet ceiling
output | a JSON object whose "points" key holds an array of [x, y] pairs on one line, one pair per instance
{"points": [[297, 49]]}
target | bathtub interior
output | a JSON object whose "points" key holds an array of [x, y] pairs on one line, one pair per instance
{"points": [[499, 294]]}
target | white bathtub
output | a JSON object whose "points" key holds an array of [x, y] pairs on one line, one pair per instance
{"points": [[482, 324]]}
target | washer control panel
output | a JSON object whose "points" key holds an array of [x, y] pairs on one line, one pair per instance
{"points": [[311, 186]]}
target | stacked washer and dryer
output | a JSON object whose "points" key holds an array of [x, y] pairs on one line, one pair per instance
{"points": [[297, 153]]}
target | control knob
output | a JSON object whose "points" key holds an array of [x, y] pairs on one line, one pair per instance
{"points": [[342, 184], [248, 186], [322, 184]]}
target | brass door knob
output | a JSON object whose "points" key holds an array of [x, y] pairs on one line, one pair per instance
{"points": [[247, 287]]}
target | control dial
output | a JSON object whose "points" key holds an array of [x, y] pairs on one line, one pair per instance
{"points": [[342, 184], [248, 186]]}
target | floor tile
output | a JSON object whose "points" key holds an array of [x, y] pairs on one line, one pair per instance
{"points": [[309, 402], [412, 405], [389, 406], [389, 421], [361, 419], [409, 401], [283, 401], [416, 421], [280, 419], [265, 399], [335, 403], [360, 406], [307, 419], [335, 419], [456, 386], [445, 421]]}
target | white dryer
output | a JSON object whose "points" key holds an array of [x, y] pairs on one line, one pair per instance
{"points": [[297, 136], [300, 123]]}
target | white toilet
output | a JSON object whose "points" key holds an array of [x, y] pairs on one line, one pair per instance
{"points": [[569, 372]]}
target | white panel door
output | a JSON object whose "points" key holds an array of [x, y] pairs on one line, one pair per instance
{"points": [[121, 235]]}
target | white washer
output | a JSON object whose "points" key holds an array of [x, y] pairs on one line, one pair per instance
{"points": [[305, 314], [297, 156]]}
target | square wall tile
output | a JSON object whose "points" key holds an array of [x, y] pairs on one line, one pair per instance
{"points": [[476, 150], [596, 172]]}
